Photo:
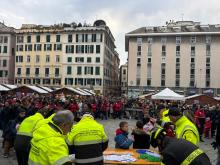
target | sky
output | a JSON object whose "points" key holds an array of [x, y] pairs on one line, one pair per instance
{"points": [[122, 16]]}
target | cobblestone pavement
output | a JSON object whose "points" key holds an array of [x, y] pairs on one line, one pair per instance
{"points": [[110, 127]]}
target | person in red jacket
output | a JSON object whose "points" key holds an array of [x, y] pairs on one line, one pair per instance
{"points": [[117, 109], [200, 121], [74, 108], [94, 109], [105, 109], [208, 125]]}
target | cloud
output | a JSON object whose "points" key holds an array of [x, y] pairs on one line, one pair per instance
{"points": [[122, 16]]}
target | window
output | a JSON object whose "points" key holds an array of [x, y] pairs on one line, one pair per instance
{"points": [[57, 72], [192, 71], [192, 60], [79, 70], [57, 58], [28, 47], [58, 47], [37, 58], [178, 50], [163, 50], [208, 39], [89, 48], [149, 60], [93, 37], [79, 59], [28, 39], [97, 49], [19, 59], [124, 71], [47, 47], [138, 61], [138, 81], [19, 48], [207, 83], [163, 40], [1, 39], [47, 58], [27, 71], [69, 59], [37, 38], [70, 38], [5, 39], [149, 51], [89, 37], [192, 83], [162, 83], [148, 82], [208, 71], [18, 71], [79, 48], [57, 38], [47, 72], [1, 49], [177, 71], [88, 70], [208, 50], [28, 58], [37, 71], [89, 59], [97, 59], [37, 47], [98, 37], [177, 60], [138, 50], [208, 60], [149, 40], [178, 40], [4, 63], [5, 49], [139, 41], [193, 39], [47, 38], [20, 39], [193, 50], [177, 83], [97, 70], [69, 48]]}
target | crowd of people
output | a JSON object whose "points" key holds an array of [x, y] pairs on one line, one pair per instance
{"points": [[36, 126]]}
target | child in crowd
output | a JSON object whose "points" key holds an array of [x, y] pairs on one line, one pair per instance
{"points": [[121, 139], [141, 138], [208, 125]]}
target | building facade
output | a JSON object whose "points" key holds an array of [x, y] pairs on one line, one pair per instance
{"points": [[124, 79], [182, 55], [67, 55], [7, 54]]}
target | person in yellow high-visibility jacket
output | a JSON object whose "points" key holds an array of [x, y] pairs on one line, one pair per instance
{"points": [[184, 128], [177, 151], [24, 135], [48, 147]]}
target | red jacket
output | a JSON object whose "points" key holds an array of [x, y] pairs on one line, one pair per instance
{"points": [[117, 106], [93, 107], [105, 106], [73, 107]]}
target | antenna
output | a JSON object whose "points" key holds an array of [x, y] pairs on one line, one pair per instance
{"points": [[182, 15]]}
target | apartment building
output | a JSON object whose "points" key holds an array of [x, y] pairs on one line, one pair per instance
{"points": [[7, 54], [182, 55], [67, 55], [124, 79]]}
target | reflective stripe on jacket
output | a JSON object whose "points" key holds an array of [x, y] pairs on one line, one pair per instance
{"points": [[89, 140]]}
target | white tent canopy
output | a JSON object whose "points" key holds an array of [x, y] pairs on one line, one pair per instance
{"points": [[167, 94], [2, 88]]}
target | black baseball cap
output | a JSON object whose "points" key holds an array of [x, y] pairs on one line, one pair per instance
{"points": [[174, 111]]}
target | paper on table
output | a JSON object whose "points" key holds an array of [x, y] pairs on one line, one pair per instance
{"points": [[120, 158]]}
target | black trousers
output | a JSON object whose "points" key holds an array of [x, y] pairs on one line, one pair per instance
{"points": [[22, 157]]}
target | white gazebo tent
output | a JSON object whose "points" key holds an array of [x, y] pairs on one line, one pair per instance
{"points": [[167, 94]]}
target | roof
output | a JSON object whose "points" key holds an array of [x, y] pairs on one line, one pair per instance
{"points": [[167, 94], [76, 91], [90, 91], [37, 89], [174, 28], [193, 96], [2, 88], [6, 29], [45, 88], [85, 92], [10, 86]]}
